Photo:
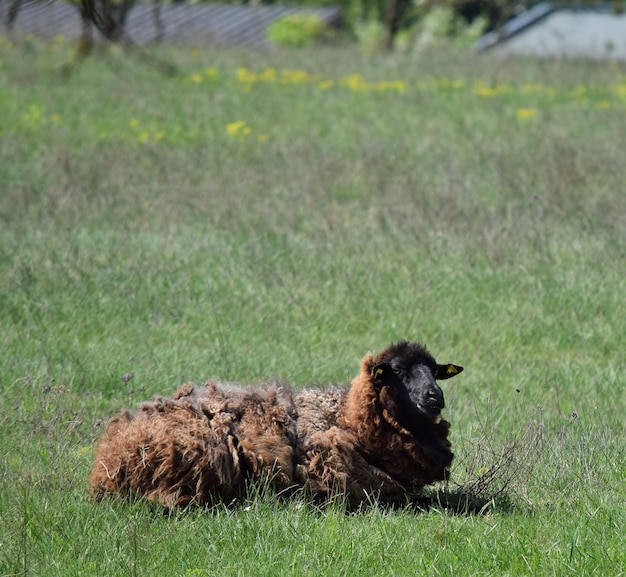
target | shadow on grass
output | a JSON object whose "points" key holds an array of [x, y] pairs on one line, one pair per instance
{"points": [[459, 501]]}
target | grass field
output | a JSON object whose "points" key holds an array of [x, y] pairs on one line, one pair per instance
{"points": [[280, 215]]}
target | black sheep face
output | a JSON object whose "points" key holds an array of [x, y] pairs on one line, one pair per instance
{"points": [[424, 392], [410, 374]]}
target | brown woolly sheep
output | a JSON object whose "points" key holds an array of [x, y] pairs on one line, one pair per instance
{"points": [[382, 438]]}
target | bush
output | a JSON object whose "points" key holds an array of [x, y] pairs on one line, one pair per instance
{"points": [[298, 30], [444, 25], [370, 35]]}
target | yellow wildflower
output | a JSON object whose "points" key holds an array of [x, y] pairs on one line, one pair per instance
{"points": [[134, 123], [397, 86], [482, 89], [268, 75], [34, 116], [526, 113], [325, 84], [355, 83], [244, 75], [196, 78], [295, 77], [82, 451], [620, 89], [238, 129]]}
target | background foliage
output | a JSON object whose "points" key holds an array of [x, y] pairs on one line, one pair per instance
{"points": [[298, 31]]}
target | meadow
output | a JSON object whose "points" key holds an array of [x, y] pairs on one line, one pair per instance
{"points": [[279, 214]]}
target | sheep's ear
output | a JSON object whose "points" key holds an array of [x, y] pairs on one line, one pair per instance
{"points": [[447, 371], [381, 371]]}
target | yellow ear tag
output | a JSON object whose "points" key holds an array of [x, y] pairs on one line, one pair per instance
{"points": [[451, 370], [378, 372]]}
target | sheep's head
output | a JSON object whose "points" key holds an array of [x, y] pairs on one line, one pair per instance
{"points": [[406, 374]]}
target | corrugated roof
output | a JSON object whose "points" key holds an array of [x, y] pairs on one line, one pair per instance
{"points": [[548, 29], [227, 24]]}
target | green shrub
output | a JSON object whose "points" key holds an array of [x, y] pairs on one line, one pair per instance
{"points": [[444, 24], [369, 35], [298, 30]]}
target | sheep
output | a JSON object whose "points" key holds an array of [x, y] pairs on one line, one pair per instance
{"points": [[380, 439]]}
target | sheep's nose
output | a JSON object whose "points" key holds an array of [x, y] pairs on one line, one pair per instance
{"points": [[435, 398]]}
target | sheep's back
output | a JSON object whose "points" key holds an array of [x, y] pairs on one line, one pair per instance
{"points": [[318, 410], [263, 422]]}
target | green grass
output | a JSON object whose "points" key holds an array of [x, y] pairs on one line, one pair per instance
{"points": [[247, 224]]}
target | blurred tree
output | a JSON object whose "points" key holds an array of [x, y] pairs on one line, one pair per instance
{"points": [[495, 12], [396, 11], [107, 16]]}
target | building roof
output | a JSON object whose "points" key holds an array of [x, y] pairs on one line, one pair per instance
{"points": [[595, 32], [226, 24]]}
